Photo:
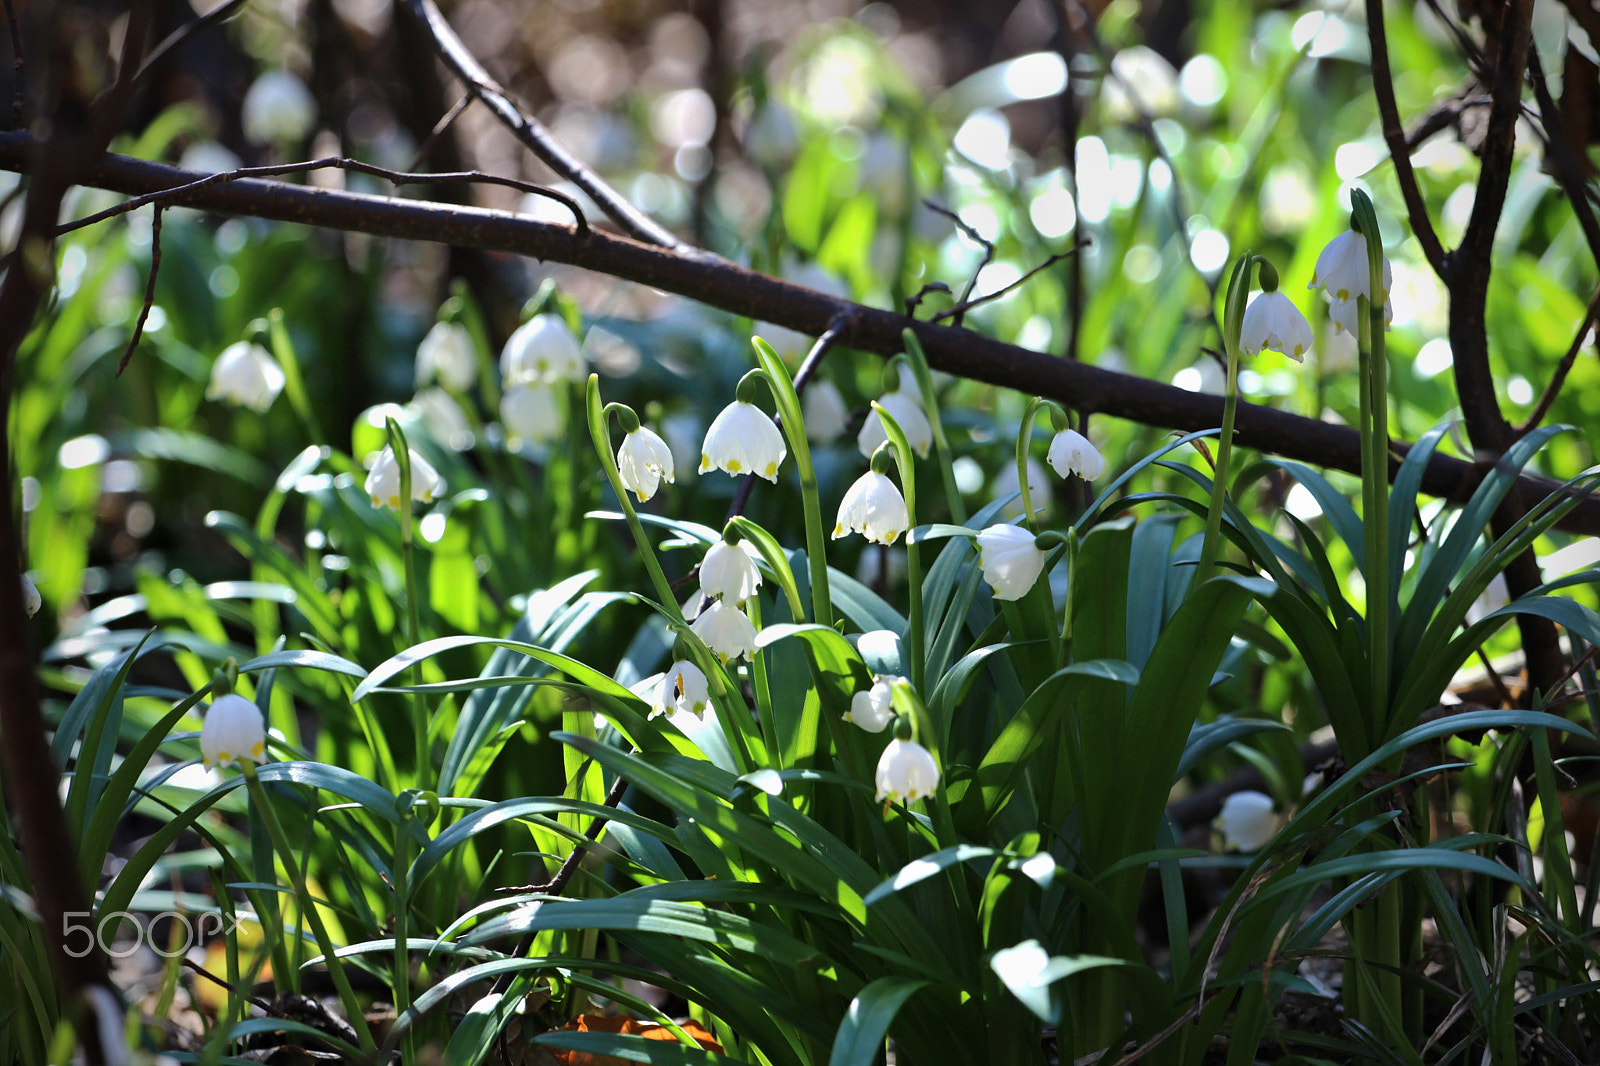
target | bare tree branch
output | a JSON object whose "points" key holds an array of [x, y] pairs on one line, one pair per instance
{"points": [[533, 134], [737, 290], [1394, 134]]}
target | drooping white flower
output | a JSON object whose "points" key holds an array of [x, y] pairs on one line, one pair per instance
{"points": [[1006, 483], [543, 349], [684, 689], [726, 631], [1342, 272], [1273, 321], [729, 572], [905, 407], [824, 411], [533, 413], [743, 440], [31, 600], [906, 772], [1345, 315], [383, 480], [644, 461], [447, 353], [1071, 453], [1010, 560], [443, 418], [278, 107], [874, 508], [1247, 820], [233, 730], [872, 708], [245, 374]]}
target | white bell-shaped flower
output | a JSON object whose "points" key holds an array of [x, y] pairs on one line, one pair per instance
{"points": [[543, 349], [383, 480], [684, 690], [245, 374], [1345, 315], [233, 730], [1342, 272], [443, 418], [824, 411], [1010, 560], [278, 107], [1273, 321], [729, 572], [726, 631], [31, 600], [447, 354], [872, 709], [644, 461], [532, 413], [905, 407], [906, 772], [1247, 820], [874, 508], [1071, 453], [743, 440]]}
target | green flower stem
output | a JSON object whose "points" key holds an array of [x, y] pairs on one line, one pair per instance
{"points": [[293, 385], [1024, 439], [1232, 325], [419, 705], [904, 459], [308, 907], [941, 444], [787, 402], [600, 432], [1375, 468]]}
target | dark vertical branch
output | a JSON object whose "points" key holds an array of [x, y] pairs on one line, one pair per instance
{"points": [[1467, 271], [76, 139], [19, 69], [1394, 135]]}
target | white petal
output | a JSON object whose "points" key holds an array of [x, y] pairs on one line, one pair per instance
{"points": [[1071, 453], [728, 571]]}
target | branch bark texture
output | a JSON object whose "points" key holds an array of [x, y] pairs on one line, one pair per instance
{"points": [[730, 287]]}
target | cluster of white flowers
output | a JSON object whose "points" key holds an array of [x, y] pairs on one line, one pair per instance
{"points": [[728, 577], [542, 354]]}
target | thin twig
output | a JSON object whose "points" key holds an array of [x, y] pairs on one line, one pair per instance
{"points": [[149, 291], [445, 122], [533, 134], [220, 13], [1559, 151], [739, 291], [19, 70], [263, 1005], [1559, 378], [971, 235], [1394, 134], [802, 377], [564, 874], [977, 301], [1085, 25], [914, 301], [398, 177]]}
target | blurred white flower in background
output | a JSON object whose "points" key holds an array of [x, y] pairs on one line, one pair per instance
{"points": [[278, 108], [245, 374]]}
